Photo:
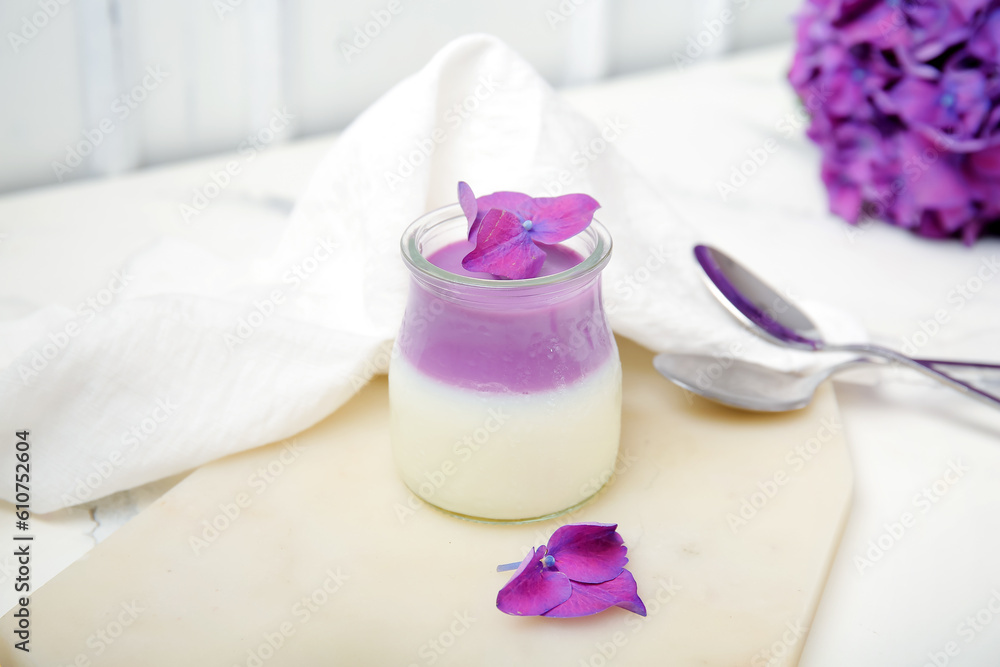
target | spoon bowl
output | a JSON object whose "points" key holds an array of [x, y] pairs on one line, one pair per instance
{"points": [[744, 384]]}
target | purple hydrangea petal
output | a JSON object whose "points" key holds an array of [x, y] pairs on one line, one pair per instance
{"points": [[932, 178], [881, 21], [936, 27], [589, 553], [934, 20], [913, 99], [844, 196], [516, 202], [802, 69], [966, 90], [986, 163], [555, 219], [587, 599], [967, 8], [904, 211], [534, 589], [504, 248], [985, 42], [941, 186], [467, 200], [971, 231], [930, 226], [952, 219]]}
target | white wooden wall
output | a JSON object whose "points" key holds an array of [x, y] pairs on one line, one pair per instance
{"points": [[149, 81]]}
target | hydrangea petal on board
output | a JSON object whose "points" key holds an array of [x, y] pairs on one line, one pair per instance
{"points": [[590, 553], [587, 599], [579, 572], [534, 589]]}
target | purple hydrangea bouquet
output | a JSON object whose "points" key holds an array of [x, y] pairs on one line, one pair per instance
{"points": [[903, 97]]}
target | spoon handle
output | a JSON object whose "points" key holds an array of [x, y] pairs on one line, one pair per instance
{"points": [[956, 364], [922, 367]]}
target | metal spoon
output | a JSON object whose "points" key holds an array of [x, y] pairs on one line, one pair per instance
{"points": [[776, 319], [744, 384]]}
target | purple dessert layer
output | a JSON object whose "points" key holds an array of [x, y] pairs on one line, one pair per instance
{"points": [[499, 344]]}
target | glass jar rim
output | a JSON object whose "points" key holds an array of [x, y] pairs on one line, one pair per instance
{"points": [[419, 265]]}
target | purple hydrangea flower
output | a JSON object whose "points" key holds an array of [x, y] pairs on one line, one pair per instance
{"points": [[904, 98], [580, 571], [507, 227]]}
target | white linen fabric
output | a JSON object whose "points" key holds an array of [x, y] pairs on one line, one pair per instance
{"points": [[201, 357]]}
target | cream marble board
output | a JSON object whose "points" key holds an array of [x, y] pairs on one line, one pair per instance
{"points": [[332, 562]]}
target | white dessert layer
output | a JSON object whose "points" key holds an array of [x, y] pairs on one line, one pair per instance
{"points": [[504, 456]]}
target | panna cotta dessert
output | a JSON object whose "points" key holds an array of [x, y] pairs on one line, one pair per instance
{"points": [[505, 395]]}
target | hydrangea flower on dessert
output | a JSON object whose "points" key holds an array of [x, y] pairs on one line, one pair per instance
{"points": [[508, 226], [904, 98], [580, 571]]}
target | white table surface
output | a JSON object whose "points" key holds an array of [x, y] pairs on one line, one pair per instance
{"points": [[931, 590]]}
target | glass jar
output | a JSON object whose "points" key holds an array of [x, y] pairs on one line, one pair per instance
{"points": [[505, 395]]}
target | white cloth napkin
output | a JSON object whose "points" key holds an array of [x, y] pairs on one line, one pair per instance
{"points": [[201, 357]]}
